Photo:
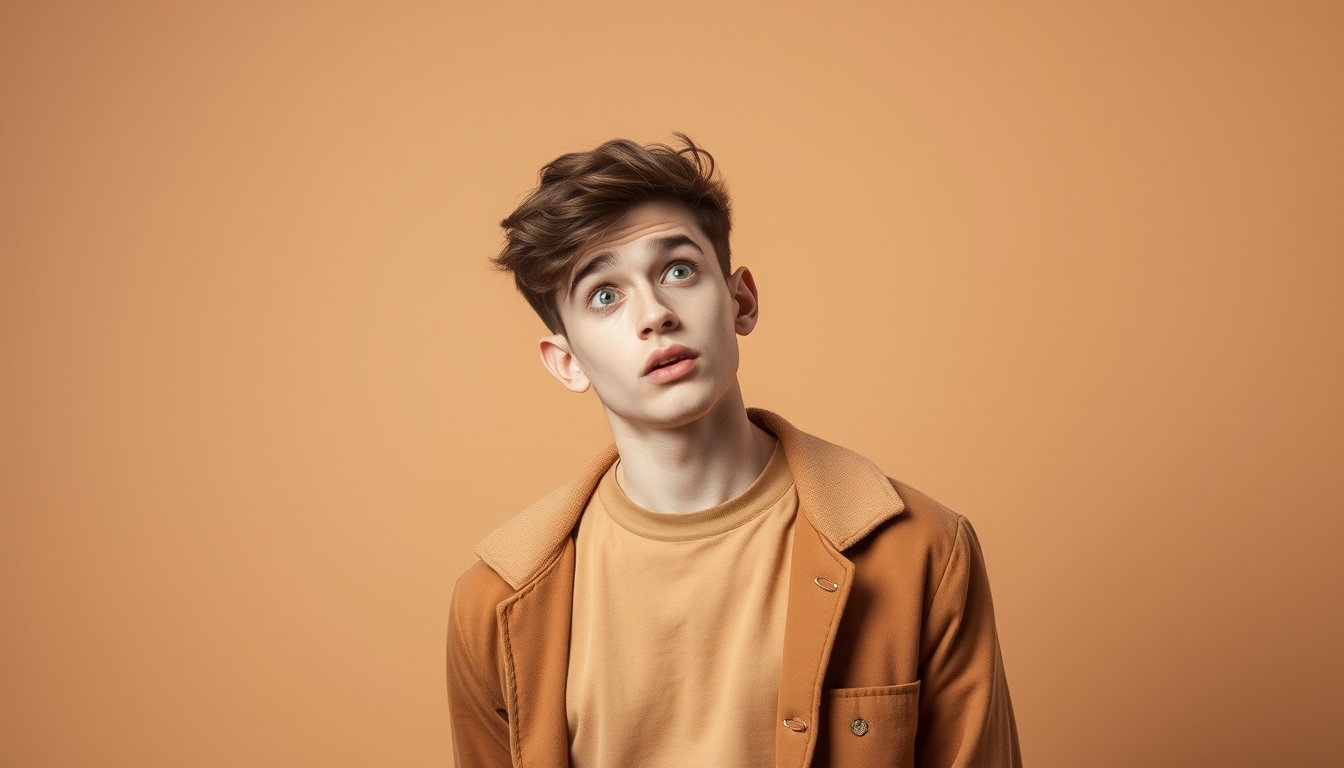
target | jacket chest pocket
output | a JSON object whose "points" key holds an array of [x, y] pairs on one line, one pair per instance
{"points": [[868, 727]]}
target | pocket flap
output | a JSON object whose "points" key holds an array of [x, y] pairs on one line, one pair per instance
{"points": [[869, 726]]}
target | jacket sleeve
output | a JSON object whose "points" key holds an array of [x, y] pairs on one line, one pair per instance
{"points": [[475, 700], [965, 715]]}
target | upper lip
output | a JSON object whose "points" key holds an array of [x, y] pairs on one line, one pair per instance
{"points": [[667, 355]]}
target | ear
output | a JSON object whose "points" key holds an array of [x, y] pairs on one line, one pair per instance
{"points": [[560, 361], [747, 305]]}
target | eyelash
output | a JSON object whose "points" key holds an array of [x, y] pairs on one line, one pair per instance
{"points": [[695, 268], [688, 264], [593, 294]]}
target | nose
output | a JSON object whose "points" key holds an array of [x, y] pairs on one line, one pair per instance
{"points": [[657, 317]]}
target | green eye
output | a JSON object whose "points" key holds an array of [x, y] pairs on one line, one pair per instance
{"points": [[605, 297]]}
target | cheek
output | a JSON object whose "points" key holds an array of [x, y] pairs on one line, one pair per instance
{"points": [[712, 306], [721, 338], [602, 358]]}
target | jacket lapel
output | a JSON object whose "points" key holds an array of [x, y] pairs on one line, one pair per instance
{"points": [[819, 580], [842, 497], [521, 548], [534, 627]]}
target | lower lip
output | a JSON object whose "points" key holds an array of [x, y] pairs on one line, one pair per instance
{"points": [[671, 372]]}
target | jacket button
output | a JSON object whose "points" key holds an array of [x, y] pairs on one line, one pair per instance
{"points": [[825, 583], [858, 727], [795, 725]]}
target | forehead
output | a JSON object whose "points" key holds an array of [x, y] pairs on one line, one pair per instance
{"points": [[642, 222]]}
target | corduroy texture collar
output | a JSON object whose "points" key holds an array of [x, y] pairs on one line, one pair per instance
{"points": [[844, 495]]}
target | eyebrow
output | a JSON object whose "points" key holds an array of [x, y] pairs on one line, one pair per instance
{"points": [[665, 244], [596, 265], [605, 259]]}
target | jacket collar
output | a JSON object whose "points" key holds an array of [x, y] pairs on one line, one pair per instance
{"points": [[844, 495]]}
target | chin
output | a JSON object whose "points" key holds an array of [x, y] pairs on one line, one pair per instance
{"points": [[675, 408]]}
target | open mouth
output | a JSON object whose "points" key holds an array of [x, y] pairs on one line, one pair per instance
{"points": [[669, 358], [666, 363]]}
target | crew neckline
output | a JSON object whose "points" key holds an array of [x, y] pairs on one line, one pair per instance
{"points": [[763, 494]]}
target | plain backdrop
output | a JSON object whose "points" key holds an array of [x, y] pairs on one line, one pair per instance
{"points": [[1074, 269]]}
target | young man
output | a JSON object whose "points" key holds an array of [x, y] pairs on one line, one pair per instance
{"points": [[717, 588]]}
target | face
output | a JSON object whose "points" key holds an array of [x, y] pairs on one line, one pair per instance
{"points": [[651, 323]]}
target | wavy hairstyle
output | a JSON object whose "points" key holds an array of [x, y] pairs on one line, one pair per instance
{"points": [[582, 194]]}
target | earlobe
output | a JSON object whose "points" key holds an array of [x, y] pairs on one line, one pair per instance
{"points": [[746, 301], [560, 361]]}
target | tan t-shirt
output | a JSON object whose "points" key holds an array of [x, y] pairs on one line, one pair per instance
{"points": [[678, 628]]}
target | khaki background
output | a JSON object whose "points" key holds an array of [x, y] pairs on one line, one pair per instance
{"points": [[1074, 269]]}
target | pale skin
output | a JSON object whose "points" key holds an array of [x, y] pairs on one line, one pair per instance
{"points": [[652, 284]]}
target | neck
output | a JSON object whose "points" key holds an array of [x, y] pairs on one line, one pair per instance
{"points": [[693, 466]]}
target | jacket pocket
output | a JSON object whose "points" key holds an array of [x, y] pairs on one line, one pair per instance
{"points": [[868, 727]]}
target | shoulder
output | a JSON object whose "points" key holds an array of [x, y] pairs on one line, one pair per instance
{"points": [[915, 546], [472, 613], [473, 663], [480, 587], [473, 642], [925, 517]]}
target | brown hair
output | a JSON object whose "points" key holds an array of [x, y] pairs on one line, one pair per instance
{"points": [[581, 194]]}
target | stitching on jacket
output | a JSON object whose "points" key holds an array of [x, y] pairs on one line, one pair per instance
{"points": [[515, 727], [879, 691], [462, 641], [510, 673], [951, 555]]}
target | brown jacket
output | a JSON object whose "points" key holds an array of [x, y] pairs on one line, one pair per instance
{"points": [[890, 626]]}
